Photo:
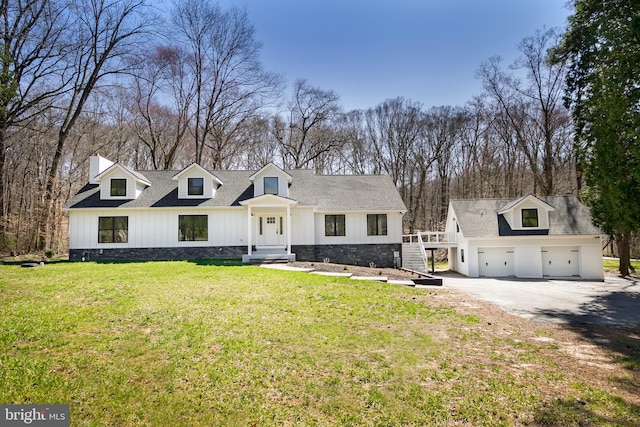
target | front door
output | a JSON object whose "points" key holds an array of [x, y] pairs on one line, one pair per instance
{"points": [[271, 232]]}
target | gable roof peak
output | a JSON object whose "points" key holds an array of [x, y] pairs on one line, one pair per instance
{"points": [[530, 197], [195, 165], [135, 175], [268, 166]]}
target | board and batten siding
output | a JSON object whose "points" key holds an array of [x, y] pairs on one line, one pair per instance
{"points": [[303, 232], [356, 229], [158, 228]]}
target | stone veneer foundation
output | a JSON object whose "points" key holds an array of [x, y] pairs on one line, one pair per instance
{"points": [[382, 255]]}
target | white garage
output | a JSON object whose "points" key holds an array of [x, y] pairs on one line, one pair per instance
{"points": [[530, 238], [496, 262], [561, 261]]}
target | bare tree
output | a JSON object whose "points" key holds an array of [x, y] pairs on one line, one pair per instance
{"points": [[104, 31], [306, 134], [160, 126], [394, 128], [356, 155], [229, 82], [532, 108], [468, 163], [444, 127], [260, 146], [32, 70]]}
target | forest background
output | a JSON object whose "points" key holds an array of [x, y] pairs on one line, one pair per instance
{"points": [[106, 76]]}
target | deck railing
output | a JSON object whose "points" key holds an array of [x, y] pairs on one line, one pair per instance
{"points": [[430, 239]]}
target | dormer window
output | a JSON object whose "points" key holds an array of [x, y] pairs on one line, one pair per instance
{"points": [[195, 187], [271, 185], [195, 182], [118, 187], [529, 218]]}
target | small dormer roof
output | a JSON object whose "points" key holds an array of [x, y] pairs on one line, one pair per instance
{"points": [[270, 165], [137, 176], [514, 204], [195, 166]]}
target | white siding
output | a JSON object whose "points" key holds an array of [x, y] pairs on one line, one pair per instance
{"points": [[158, 228], [528, 262], [301, 226], [591, 260], [356, 229], [470, 261]]}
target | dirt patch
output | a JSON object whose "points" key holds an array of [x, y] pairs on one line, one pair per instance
{"points": [[356, 270]]}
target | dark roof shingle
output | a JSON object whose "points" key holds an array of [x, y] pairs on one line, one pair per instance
{"points": [[325, 192], [479, 217]]}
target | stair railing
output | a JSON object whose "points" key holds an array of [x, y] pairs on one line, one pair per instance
{"points": [[423, 252]]}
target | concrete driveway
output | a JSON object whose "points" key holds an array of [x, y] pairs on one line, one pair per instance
{"points": [[615, 301]]}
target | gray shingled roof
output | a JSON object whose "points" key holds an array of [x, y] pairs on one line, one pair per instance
{"points": [[479, 218], [326, 192]]}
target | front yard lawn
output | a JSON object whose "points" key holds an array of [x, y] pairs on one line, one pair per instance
{"points": [[214, 343]]}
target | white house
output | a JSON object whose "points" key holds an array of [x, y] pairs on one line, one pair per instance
{"points": [[194, 213], [531, 237]]}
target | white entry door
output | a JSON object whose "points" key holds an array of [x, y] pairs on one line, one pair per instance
{"points": [[495, 262], [270, 232], [560, 261]]}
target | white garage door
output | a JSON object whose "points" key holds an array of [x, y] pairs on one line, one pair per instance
{"points": [[561, 261], [496, 262]]}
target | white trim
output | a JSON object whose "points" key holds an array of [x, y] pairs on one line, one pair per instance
{"points": [[270, 165], [177, 176], [124, 169]]}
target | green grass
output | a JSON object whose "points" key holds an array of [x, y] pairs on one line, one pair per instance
{"points": [[182, 343], [613, 265]]}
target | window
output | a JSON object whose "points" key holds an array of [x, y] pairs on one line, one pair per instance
{"points": [[529, 217], [462, 254], [377, 225], [271, 185], [119, 187], [195, 186], [113, 229], [193, 228], [334, 225]]}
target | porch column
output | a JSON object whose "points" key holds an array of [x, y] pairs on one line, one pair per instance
{"points": [[288, 229], [249, 230]]}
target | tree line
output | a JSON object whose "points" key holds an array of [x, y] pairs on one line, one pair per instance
{"points": [[99, 76]]}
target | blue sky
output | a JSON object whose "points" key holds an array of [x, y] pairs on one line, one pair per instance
{"points": [[371, 50]]}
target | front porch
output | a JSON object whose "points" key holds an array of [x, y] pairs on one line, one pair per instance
{"points": [[269, 229], [268, 256]]}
